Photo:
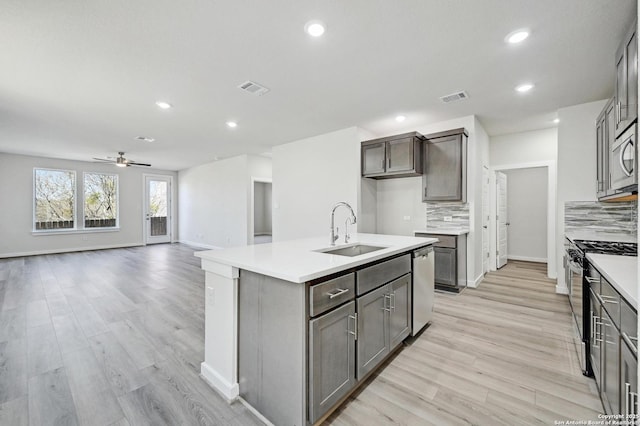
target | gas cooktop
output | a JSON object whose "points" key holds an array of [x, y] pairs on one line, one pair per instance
{"points": [[607, 247]]}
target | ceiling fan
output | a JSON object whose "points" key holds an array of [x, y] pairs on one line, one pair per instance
{"points": [[121, 161]]}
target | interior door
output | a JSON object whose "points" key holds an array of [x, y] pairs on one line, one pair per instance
{"points": [[485, 220], [157, 209], [501, 220]]}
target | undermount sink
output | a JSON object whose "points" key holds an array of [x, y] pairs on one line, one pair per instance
{"points": [[351, 251]]}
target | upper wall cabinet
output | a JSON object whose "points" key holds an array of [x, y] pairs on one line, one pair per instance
{"points": [[445, 166], [626, 96], [393, 156], [605, 134]]}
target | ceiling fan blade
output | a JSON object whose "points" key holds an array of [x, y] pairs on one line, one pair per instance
{"points": [[103, 159], [133, 163]]}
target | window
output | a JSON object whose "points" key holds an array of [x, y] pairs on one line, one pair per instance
{"points": [[100, 200], [55, 199]]}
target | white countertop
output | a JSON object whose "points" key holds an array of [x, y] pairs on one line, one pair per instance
{"points": [[297, 260], [621, 272], [592, 235], [443, 231]]}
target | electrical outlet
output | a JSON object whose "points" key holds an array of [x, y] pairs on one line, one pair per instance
{"points": [[407, 218], [448, 218]]}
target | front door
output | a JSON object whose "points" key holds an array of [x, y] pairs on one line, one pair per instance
{"points": [[501, 220], [157, 209]]}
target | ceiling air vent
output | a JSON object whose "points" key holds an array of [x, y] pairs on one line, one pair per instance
{"points": [[253, 88], [458, 96]]}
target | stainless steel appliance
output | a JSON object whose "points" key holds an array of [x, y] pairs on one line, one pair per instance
{"points": [[623, 163], [423, 288], [578, 286]]}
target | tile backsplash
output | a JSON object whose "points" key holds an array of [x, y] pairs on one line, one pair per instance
{"points": [[459, 213], [607, 217]]}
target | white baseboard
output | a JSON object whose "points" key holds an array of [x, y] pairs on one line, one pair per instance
{"points": [[528, 259], [68, 250], [230, 391], [562, 289], [475, 283], [201, 245]]}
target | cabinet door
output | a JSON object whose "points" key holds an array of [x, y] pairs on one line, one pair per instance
{"points": [[610, 365], [400, 315], [602, 147], [332, 359], [610, 135], [373, 329], [443, 163], [595, 339], [628, 381], [627, 81], [446, 269], [373, 158], [400, 155]]}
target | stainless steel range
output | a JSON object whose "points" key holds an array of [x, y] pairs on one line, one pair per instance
{"points": [[574, 262]]}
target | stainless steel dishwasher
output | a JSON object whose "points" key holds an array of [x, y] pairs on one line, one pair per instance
{"points": [[423, 288]]}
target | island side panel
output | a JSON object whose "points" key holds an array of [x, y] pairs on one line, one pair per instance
{"points": [[273, 332]]}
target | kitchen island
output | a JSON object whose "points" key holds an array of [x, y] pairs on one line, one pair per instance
{"points": [[282, 320]]}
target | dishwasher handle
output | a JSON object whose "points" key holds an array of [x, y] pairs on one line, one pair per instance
{"points": [[423, 252]]}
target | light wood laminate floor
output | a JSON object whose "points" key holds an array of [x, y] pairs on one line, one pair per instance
{"points": [[116, 337]]}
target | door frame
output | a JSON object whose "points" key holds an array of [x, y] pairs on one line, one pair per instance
{"points": [[486, 255], [170, 205], [251, 221], [551, 211]]}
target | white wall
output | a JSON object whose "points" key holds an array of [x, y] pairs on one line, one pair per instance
{"points": [[576, 165], [16, 214], [527, 214], [309, 177], [524, 147], [215, 199]]}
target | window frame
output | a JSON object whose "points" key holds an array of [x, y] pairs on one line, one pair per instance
{"points": [[101, 228], [34, 205]]}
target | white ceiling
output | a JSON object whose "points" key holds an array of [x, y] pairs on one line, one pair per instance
{"points": [[79, 79]]}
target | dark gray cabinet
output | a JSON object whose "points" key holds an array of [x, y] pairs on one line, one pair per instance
{"points": [[626, 94], [446, 266], [595, 337], [332, 358], [605, 134], [400, 310], [610, 364], [373, 330], [445, 166], [628, 378], [393, 156], [384, 321]]}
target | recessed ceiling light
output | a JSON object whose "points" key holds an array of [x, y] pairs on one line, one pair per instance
{"points": [[315, 28], [557, 120], [517, 36], [145, 139], [524, 87], [164, 105], [400, 118], [232, 124]]}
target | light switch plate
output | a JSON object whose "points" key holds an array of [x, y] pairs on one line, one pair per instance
{"points": [[211, 297], [407, 218]]}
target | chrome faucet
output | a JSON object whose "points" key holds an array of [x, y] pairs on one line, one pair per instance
{"points": [[352, 220]]}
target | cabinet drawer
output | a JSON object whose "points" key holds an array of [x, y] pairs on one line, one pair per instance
{"points": [[610, 301], [329, 294], [376, 275], [447, 241]]}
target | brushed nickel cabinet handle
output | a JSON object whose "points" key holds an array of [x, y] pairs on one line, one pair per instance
{"points": [[354, 317], [337, 292]]}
